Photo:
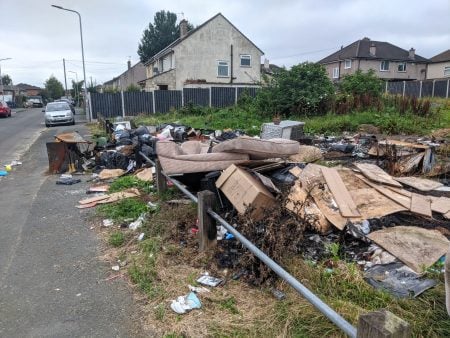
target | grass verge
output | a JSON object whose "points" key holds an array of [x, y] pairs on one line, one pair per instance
{"points": [[126, 209], [167, 260]]}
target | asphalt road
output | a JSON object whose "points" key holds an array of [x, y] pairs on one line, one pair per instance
{"points": [[52, 283], [18, 132]]}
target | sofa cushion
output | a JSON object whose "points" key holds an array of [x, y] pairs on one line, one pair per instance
{"points": [[259, 149]]}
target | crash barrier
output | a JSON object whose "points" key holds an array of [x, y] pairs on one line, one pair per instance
{"points": [[373, 324], [162, 101], [419, 89]]}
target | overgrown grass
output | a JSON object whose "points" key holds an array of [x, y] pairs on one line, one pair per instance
{"points": [[126, 209], [126, 182], [247, 119]]}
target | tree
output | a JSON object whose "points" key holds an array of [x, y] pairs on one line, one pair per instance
{"points": [[160, 34], [133, 88], [77, 88], [54, 88], [6, 80], [304, 89]]}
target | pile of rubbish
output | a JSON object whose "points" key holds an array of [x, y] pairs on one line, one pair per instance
{"points": [[393, 224]]}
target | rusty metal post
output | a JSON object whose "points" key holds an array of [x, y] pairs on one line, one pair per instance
{"points": [[382, 324], [206, 224], [161, 182]]}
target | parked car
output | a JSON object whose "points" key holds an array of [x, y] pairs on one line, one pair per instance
{"points": [[69, 102], [5, 111], [58, 113], [35, 102]]}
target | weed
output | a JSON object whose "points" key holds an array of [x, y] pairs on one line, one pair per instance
{"points": [[229, 304], [128, 208], [160, 312], [333, 250], [127, 182], [116, 238]]}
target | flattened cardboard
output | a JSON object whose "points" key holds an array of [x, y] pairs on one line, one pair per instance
{"points": [[416, 247], [243, 190]]}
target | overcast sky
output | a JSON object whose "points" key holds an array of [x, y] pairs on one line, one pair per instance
{"points": [[37, 36]]}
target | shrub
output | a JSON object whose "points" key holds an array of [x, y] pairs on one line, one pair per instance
{"points": [[304, 89], [360, 84]]}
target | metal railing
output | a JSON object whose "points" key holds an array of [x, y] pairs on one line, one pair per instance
{"points": [[328, 312]]}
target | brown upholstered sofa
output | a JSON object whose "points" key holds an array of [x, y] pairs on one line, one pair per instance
{"points": [[194, 156]]}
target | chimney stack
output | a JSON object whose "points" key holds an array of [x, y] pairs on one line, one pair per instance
{"points": [[266, 64], [412, 53], [129, 64], [183, 28], [372, 49]]}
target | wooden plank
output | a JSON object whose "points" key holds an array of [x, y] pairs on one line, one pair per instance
{"points": [[161, 182], [441, 205], [420, 184], [404, 201], [340, 193], [376, 174], [93, 199], [420, 205]]}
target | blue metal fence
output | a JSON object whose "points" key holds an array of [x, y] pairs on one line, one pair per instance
{"points": [[162, 101], [426, 88]]}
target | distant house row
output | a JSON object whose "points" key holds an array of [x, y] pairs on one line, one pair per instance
{"points": [[216, 53], [12, 91], [389, 62]]}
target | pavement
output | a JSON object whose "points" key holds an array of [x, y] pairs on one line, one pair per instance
{"points": [[52, 282]]}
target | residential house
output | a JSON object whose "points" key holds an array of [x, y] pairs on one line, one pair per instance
{"points": [[132, 76], [215, 53], [439, 67], [389, 62], [28, 90]]}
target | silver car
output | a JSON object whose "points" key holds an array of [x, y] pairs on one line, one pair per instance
{"points": [[58, 113]]}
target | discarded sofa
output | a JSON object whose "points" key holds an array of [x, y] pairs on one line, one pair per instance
{"points": [[192, 157], [259, 149]]}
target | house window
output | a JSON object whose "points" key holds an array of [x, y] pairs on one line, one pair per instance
{"points": [[401, 67], [246, 60], [222, 68], [336, 73], [446, 71], [348, 64], [384, 66]]}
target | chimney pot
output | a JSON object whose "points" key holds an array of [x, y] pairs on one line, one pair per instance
{"points": [[183, 28], [412, 53], [129, 64]]}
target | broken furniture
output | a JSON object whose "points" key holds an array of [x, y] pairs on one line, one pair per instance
{"points": [[65, 153], [191, 158], [259, 149]]}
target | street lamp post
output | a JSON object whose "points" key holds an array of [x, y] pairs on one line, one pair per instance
{"points": [[1, 79], [76, 87], [82, 57]]}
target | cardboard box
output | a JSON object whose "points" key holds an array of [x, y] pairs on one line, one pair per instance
{"points": [[243, 190]]}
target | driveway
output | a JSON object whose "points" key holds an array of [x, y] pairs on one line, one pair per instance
{"points": [[52, 283]]}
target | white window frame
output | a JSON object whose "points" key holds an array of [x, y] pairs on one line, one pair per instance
{"points": [[404, 67], [447, 71], [223, 63], [246, 57], [348, 63], [336, 73], [381, 66]]}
